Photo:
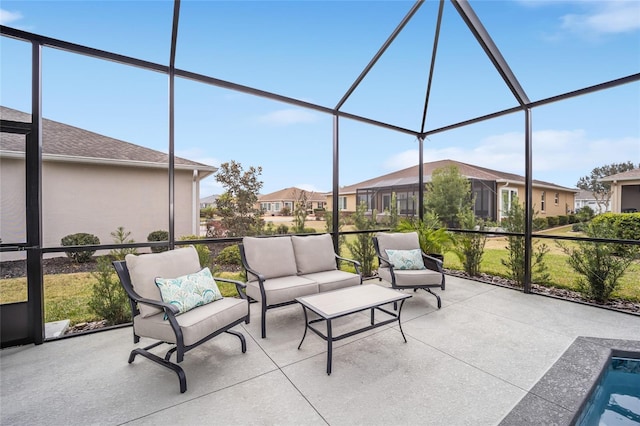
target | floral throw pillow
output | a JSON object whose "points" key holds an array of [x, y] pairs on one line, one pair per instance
{"points": [[406, 259], [189, 291]]}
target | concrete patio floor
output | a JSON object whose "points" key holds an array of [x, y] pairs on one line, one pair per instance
{"points": [[469, 363]]}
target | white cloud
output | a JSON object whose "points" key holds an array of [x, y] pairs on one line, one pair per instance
{"points": [[285, 117], [609, 17], [7, 17], [559, 156]]}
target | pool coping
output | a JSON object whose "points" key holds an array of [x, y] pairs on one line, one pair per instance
{"points": [[559, 396]]}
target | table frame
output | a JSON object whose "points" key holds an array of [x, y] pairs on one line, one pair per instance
{"points": [[330, 338]]}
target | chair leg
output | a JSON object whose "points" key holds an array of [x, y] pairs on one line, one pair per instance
{"points": [[240, 336], [437, 297], [263, 321], [163, 362]]}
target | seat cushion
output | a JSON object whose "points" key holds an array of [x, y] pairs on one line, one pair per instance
{"points": [[414, 278], [333, 280], [397, 241], [282, 289], [196, 324], [189, 291], [145, 268], [272, 257], [314, 253]]}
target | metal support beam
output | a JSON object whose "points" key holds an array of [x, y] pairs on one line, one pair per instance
{"points": [[477, 29], [33, 166], [421, 177], [172, 90], [335, 213], [528, 205], [432, 67]]}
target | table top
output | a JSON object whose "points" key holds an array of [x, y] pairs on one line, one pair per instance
{"points": [[332, 304]]}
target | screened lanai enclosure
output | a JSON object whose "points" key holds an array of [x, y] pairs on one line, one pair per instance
{"points": [[118, 115]]}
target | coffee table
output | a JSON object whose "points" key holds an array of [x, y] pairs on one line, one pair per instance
{"points": [[339, 303]]}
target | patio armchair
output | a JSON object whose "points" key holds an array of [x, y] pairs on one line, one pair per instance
{"points": [[403, 264], [189, 315]]}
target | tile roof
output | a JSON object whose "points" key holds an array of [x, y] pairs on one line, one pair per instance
{"points": [[409, 176], [628, 175], [63, 140], [291, 194]]}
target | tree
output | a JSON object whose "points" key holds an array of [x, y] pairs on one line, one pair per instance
{"points": [[300, 211], [448, 194], [602, 190], [236, 206]]}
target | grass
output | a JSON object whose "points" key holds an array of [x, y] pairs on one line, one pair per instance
{"points": [[66, 295]]}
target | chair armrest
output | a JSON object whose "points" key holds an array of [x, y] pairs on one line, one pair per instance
{"points": [[166, 307], [255, 273], [239, 285], [432, 263], [355, 263]]}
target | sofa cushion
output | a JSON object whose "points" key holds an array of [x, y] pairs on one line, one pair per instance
{"points": [[333, 280], [196, 324], [272, 257], [314, 253], [144, 268], [406, 259], [397, 241], [283, 289], [189, 291]]}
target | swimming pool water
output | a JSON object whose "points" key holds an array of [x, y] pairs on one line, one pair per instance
{"points": [[616, 398]]}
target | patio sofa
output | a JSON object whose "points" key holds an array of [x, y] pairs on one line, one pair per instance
{"points": [[279, 269]]}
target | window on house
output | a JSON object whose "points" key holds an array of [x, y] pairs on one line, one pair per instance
{"points": [[556, 198], [508, 197], [276, 207], [542, 201], [321, 204], [342, 203]]}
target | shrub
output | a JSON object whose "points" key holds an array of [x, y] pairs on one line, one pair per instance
{"points": [[579, 227], [572, 218], [108, 299], [585, 214], [80, 239], [514, 222], [470, 247], [285, 211], [282, 229], [540, 223], [120, 236], [204, 252], [229, 255], [552, 221], [623, 226], [563, 220], [362, 246], [599, 263], [159, 235]]}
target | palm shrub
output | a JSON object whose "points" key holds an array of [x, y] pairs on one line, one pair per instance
{"points": [[470, 247], [108, 299], [80, 239], [515, 262], [362, 247], [599, 264], [434, 239], [159, 235], [120, 236]]}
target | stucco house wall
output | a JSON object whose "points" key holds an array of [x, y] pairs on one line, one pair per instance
{"points": [[625, 191]]}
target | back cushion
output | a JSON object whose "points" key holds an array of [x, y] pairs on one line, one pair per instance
{"points": [[272, 257], [314, 253], [145, 268], [397, 241]]}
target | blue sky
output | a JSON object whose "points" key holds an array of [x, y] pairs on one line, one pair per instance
{"points": [[314, 51]]}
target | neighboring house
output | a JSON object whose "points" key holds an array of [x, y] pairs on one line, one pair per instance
{"points": [[586, 199], [209, 201], [93, 183], [273, 203], [625, 191], [493, 190]]}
